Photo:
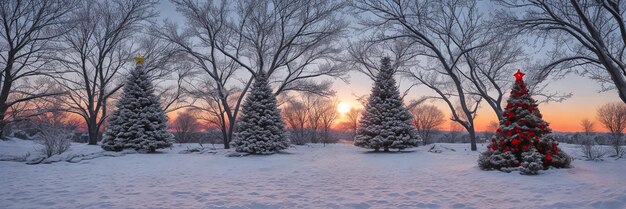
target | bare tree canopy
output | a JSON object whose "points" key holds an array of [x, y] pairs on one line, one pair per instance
{"points": [[587, 35], [96, 50], [28, 28], [451, 47], [310, 118], [328, 117], [353, 117], [442, 32], [296, 114], [426, 119], [463, 52], [364, 55], [185, 126], [293, 42], [613, 117], [588, 126]]}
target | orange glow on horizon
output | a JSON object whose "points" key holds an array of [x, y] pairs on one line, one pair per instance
{"points": [[562, 118]]}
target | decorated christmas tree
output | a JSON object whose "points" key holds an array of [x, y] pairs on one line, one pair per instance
{"points": [[386, 123], [523, 141], [260, 129], [139, 122]]}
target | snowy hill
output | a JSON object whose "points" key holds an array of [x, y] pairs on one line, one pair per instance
{"points": [[335, 176]]}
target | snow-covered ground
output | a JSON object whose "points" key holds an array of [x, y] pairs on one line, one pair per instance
{"points": [[335, 176]]}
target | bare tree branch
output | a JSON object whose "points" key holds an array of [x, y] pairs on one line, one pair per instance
{"points": [[27, 31], [593, 31]]}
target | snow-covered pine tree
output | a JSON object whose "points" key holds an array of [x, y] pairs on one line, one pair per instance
{"points": [[139, 122], [260, 129], [523, 139], [386, 123]]}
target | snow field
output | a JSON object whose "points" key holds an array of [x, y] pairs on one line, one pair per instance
{"points": [[335, 176]]}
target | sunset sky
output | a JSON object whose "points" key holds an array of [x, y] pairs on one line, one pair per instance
{"points": [[564, 116]]}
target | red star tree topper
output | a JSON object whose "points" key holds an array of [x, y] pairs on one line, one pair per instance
{"points": [[522, 130], [519, 75]]}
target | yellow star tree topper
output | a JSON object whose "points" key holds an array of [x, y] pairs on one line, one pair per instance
{"points": [[139, 59]]}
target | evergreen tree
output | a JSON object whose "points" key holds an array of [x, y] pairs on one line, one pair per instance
{"points": [[139, 122], [386, 123], [260, 129], [523, 139]]}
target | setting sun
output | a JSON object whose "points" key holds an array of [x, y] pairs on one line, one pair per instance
{"points": [[343, 107]]}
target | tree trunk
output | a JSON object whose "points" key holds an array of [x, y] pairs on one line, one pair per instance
{"points": [[425, 134], [226, 143], [472, 134], [225, 138], [618, 79], [2, 125], [93, 134], [617, 144], [3, 122], [7, 82]]}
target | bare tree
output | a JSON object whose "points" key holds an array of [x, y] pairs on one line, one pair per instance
{"points": [[51, 112], [613, 117], [492, 126], [590, 35], [97, 49], [55, 127], [328, 116], [490, 130], [28, 28], [19, 114], [591, 149], [455, 130], [315, 108], [310, 118], [295, 115], [185, 126], [461, 55], [489, 68], [291, 41], [442, 32], [54, 139], [426, 119], [353, 117], [588, 126], [216, 106]]}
